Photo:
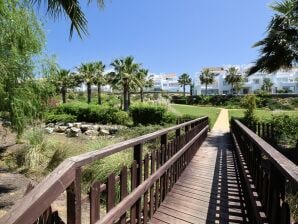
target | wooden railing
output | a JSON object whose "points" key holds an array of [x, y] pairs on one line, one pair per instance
{"points": [[267, 175], [267, 131], [151, 178]]}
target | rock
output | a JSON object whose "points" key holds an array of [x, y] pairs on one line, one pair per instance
{"points": [[104, 132], [77, 125], [70, 125], [51, 125], [91, 133], [73, 132], [60, 129], [113, 131], [60, 123], [6, 123], [96, 127], [86, 127], [49, 130]]}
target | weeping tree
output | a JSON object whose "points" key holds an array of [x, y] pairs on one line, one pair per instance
{"points": [[124, 76], [233, 78], [279, 49], [22, 40], [184, 80], [207, 78]]}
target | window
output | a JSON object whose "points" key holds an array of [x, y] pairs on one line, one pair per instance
{"points": [[256, 81]]}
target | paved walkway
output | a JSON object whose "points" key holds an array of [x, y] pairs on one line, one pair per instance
{"points": [[209, 189]]}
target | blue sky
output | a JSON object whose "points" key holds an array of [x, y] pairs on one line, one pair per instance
{"points": [[166, 36]]}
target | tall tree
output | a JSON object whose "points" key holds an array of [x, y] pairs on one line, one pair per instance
{"points": [[184, 80], [21, 44], [87, 72], [279, 49], [207, 77], [267, 85], [124, 75], [63, 80], [233, 77], [144, 81], [99, 79]]}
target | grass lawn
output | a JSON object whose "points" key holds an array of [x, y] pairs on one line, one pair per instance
{"points": [[261, 114], [211, 112]]}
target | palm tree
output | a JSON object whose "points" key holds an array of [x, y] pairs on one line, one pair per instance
{"points": [[279, 48], [207, 77], [99, 78], [144, 81], [62, 79], [233, 77], [184, 80], [87, 73], [124, 75], [267, 85], [71, 9]]}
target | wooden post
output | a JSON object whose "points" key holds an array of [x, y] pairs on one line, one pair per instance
{"points": [[74, 199], [146, 174], [137, 155], [133, 186], [95, 202], [111, 196], [123, 190], [152, 188]]}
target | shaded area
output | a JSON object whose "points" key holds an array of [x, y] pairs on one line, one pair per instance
{"points": [[209, 190]]}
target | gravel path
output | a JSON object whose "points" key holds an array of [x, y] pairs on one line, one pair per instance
{"points": [[222, 123]]}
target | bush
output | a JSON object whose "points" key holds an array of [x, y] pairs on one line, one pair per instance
{"points": [[94, 113], [53, 118], [285, 129], [249, 102], [145, 114]]}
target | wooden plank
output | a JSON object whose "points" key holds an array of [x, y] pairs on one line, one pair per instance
{"points": [[169, 219], [138, 156], [95, 202]]}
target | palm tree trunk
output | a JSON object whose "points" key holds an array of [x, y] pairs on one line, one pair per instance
{"points": [[232, 89], [63, 92], [125, 96], [183, 90], [99, 94], [128, 97], [88, 93], [206, 90], [142, 95]]}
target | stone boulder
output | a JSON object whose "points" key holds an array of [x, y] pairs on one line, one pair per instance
{"points": [[49, 130], [60, 129], [86, 127], [91, 133], [77, 125], [73, 132], [104, 132]]}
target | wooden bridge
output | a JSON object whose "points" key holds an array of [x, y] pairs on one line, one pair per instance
{"points": [[190, 177]]}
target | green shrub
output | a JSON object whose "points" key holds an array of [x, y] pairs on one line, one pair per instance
{"points": [[53, 118], [249, 102], [94, 113], [285, 129], [143, 113]]}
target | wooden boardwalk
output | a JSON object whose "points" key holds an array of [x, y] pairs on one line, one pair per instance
{"points": [[209, 189]]}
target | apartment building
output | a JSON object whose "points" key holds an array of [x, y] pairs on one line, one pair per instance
{"points": [[283, 80]]}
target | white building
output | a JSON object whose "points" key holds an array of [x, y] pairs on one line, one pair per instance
{"points": [[166, 82], [282, 81]]}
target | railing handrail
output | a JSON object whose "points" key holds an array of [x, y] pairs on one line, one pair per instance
{"points": [[282, 163], [32, 205]]}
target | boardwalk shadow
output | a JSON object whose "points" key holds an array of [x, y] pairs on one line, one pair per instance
{"points": [[226, 203]]}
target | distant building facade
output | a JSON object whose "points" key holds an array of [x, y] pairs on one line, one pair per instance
{"points": [[166, 82], [283, 80]]}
